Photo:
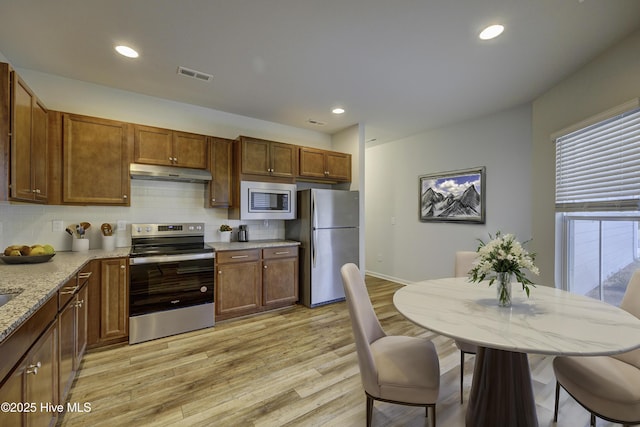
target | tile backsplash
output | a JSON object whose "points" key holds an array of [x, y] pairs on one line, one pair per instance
{"points": [[151, 202]]}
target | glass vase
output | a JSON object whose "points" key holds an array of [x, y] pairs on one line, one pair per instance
{"points": [[504, 289]]}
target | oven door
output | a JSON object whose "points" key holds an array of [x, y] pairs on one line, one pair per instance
{"points": [[161, 286]]}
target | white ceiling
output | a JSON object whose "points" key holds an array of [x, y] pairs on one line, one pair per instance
{"points": [[400, 67]]}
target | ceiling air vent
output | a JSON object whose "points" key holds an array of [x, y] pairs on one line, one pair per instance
{"points": [[316, 122], [199, 75]]}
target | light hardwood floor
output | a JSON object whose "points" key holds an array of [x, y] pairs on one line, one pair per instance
{"points": [[292, 367]]}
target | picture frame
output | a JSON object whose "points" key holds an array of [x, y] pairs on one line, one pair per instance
{"points": [[453, 196]]}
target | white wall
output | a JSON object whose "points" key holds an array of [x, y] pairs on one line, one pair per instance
{"points": [[411, 250], [609, 80]]}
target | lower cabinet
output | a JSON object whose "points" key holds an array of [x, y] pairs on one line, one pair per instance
{"points": [[109, 294], [72, 327], [33, 383], [250, 281]]}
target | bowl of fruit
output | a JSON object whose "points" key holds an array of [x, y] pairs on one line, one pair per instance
{"points": [[25, 254]]}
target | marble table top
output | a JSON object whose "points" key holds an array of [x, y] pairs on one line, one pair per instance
{"points": [[551, 321]]}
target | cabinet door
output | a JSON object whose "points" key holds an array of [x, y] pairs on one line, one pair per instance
{"points": [[21, 185], [283, 160], [338, 166], [39, 153], [312, 163], [190, 150], [41, 375], [82, 323], [95, 161], [153, 146], [255, 157], [11, 391], [66, 347], [237, 289], [114, 299], [280, 281], [221, 168]]}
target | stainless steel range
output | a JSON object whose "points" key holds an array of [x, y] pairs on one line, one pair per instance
{"points": [[171, 280]]}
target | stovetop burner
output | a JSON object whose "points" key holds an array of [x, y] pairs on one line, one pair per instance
{"points": [[168, 239]]}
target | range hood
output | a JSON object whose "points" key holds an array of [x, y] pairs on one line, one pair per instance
{"points": [[168, 173]]}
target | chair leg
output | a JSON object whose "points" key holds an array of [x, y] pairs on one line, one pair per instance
{"points": [[369, 410], [461, 377], [555, 410], [593, 420]]}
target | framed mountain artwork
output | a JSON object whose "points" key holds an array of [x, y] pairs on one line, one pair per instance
{"points": [[453, 196]]}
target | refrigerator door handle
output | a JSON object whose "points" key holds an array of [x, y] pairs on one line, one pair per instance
{"points": [[314, 248]]}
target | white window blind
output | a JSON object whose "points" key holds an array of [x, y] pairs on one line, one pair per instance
{"points": [[598, 167]]}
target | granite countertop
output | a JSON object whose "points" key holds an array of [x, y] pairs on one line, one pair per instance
{"points": [[34, 284], [255, 244]]}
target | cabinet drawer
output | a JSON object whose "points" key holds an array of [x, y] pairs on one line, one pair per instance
{"points": [[280, 252], [226, 257], [66, 292]]}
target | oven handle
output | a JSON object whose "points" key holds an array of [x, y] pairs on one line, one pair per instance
{"points": [[170, 258]]}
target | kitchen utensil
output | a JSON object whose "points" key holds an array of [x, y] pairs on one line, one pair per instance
{"points": [[85, 225], [106, 229], [70, 231], [80, 231]]}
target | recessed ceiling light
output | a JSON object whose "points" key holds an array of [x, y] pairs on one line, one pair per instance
{"points": [[126, 51], [338, 110], [492, 31]]}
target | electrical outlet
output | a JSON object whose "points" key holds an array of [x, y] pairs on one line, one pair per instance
{"points": [[57, 225]]}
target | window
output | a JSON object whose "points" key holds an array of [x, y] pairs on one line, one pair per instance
{"points": [[598, 202]]}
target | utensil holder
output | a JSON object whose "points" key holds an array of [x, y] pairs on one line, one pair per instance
{"points": [[80, 245], [108, 243]]}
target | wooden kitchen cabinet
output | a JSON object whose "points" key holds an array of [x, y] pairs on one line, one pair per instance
{"points": [[254, 280], [267, 158], [324, 165], [33, 381], [95, 161], [23, 155], [238, 283], [114, 300], [221, 163], [72, 329], [279, 276], [157, 146]]}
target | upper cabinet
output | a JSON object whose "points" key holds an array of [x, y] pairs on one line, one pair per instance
{"points": [[322, 165], [221, 163], [167, 147], [95, 161], [24, 123], [267, 158]]}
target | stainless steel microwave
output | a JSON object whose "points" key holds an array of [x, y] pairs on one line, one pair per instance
{"points": [[266, 200]]}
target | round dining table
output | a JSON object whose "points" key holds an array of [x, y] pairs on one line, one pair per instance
{"points": [[550, 322]]}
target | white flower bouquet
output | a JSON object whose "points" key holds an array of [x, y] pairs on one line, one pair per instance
{"points": [[503, 254]]}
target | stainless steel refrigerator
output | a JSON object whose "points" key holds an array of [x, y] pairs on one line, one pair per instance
{"points": [[327, 227]]}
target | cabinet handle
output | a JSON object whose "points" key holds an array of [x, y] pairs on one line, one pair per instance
{"points": [[85, 275], [122, 267], [124, 196], [69, 290], [213, 200], [239, 256], [219, 271], [282, 253], [80, 303], [33, 369], [265, 267], [37, 191]]}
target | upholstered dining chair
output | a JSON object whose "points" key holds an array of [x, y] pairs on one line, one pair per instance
{"points": [[463, 264], [606, 386], [397, 369]]}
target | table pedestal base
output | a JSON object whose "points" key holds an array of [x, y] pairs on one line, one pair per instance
{"points": [[501, 392]]}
